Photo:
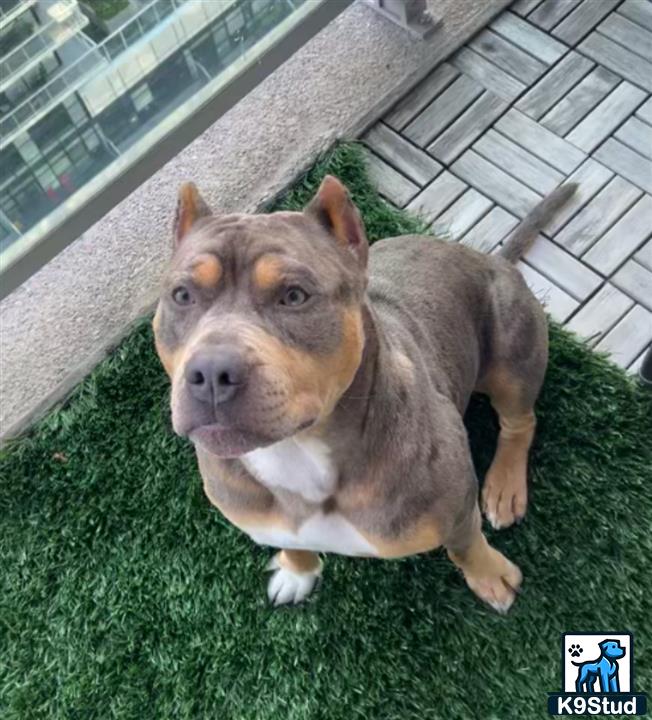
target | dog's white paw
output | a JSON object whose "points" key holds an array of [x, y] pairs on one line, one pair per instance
{"points": [[287, 587]]}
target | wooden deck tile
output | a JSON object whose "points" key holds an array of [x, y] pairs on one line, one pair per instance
{"points": [[552, 91], [518, 162], [507, 56], [606, 208], [527, 37], [554, 85], [495, 183], [636, 281], [644, 255], [490, 76], [540, 142], [619, 59], [581, 20], [627, 340], [645, 111], [442, 192], [557, 302], [637, 135], [552, 12], [606, 117], [443, 110], [626, 162], [639, 11], [618, 243], [472, 123], [523, 7], [562, 268], [417, 165], [627, 33], [390, 183], [580, 101], [421, 96], [462, 215], [491, 230], [600, 313]]}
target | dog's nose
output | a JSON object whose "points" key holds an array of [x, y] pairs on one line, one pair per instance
{"points": [[215, 376]]}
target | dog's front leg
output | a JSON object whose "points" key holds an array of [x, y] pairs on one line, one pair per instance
{"points": [[294, 576], [491, 576]]}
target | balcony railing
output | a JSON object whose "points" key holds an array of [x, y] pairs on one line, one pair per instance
{"points": [[139, 97], [11, 9], [73, 76], [68, 21]]}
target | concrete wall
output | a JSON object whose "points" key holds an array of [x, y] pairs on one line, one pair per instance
{"points": [[66, 317]]}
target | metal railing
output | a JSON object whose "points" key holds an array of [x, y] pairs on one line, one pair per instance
{"points": [[70, 78], [132, 31], [11, 9], [49, 37]]}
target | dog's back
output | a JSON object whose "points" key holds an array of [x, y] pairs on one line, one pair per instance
{"points": [[469, 312], [434, 299], [457, 309]]}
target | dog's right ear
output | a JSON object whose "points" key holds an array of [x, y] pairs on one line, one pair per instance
{"points": [[333, 208], [190, 207]]}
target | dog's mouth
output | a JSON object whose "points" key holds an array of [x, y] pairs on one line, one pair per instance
{"points": [[232, 442], [227, 442]]}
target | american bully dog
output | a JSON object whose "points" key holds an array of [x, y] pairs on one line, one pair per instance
{"points": [[323, 383]]}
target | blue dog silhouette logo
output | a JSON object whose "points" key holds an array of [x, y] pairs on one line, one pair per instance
{"points": [[597, 674], [604, 669]]}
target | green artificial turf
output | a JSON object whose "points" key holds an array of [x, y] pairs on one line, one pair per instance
{"points": [[124, 594]]}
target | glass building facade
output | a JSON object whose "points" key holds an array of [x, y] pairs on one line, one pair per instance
{"points": [[77, 92]]}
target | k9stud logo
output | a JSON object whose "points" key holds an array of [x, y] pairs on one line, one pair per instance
{"points": [[597, 676]]}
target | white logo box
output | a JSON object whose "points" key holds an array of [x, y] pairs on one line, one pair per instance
{"points": [[591, 652]]}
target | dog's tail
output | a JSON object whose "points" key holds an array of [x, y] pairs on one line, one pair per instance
{"points": [[520, 240]]}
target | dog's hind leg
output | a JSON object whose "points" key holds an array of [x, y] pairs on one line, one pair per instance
{"points": [[491, 576], [512, 370], [512, 379], [504, 494]]}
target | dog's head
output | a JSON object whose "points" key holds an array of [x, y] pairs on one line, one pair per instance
{"points": [[612, 649], [259, 324]]}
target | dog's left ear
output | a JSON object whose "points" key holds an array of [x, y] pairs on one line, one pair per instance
{"points": [[334, 209], [190, 207]]}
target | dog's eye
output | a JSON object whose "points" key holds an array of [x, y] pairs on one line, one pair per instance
{"points": [[181, 295], [294, 296]]}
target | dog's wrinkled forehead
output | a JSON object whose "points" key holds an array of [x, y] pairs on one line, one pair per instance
{"points": [[267, 247], [327, 238]]}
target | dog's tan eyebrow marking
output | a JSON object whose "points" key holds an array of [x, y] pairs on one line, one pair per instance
{"points": [[268, 271], [207, 271]]}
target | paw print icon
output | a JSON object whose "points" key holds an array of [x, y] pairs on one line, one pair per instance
{"points": [[575, 650]]}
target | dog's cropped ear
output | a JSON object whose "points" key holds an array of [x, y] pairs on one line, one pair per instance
{"points": [[334, 209], [190, 207]]}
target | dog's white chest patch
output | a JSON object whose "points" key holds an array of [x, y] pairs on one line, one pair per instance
{"points": [[320, 533], [303, 466]]}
